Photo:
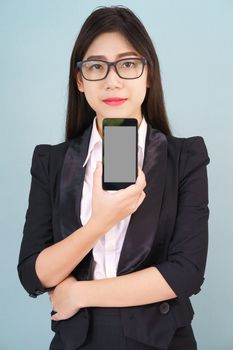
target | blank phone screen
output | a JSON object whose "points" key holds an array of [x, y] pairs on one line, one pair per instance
{"points": [[120, 153]]}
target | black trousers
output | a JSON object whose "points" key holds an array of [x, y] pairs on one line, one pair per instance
{"points": [[106, 333]]}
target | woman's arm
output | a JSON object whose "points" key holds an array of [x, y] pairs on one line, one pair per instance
{"points": [[138, 288]]}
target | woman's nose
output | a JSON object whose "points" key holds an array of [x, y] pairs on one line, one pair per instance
{"points": [[113, 79]]}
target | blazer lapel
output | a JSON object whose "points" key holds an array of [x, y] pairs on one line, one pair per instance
{"points": [[71, 185], [143, 223]]}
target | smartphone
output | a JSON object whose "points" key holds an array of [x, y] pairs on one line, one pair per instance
{"points": [[119, 153]]}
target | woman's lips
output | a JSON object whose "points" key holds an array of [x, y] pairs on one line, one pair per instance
{"points": [[114, 101]]}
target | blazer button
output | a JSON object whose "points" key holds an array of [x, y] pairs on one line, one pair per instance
{"points": [[164, 308]]}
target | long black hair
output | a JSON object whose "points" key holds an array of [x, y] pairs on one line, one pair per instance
{"points": [[115, 19]]}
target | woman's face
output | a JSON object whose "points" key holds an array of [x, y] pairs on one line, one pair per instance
{"points": [[112, 47]]}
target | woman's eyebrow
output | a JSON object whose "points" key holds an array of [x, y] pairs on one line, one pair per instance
{"points": [[123, 54]]}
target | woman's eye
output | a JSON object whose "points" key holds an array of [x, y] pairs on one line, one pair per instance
{"points": [[95, 66], [128, 64]]}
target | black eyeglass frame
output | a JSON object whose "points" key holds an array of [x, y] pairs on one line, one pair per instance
{"points": [[114, 63]]}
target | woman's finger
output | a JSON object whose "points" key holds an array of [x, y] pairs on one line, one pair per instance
{"points": [[133, 190], [141, 199], [141, 179]]}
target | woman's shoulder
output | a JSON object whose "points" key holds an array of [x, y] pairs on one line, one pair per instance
{"points": [[192, 149], [52, 151], [186, 144], [49, 156], [45, 149], [175, 140]]}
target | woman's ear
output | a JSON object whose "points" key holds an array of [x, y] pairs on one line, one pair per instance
{"points": [[80, 82]]}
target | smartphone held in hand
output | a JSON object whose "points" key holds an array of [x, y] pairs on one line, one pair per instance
{"points": [[119, 153]]}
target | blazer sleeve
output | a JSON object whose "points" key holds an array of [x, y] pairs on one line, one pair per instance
{"points": [[37, 231], [185, 264]]}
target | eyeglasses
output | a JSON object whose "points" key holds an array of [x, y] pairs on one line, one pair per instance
{"points": [[127, 68]]}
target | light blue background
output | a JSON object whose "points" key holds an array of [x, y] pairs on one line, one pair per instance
{"points": [[194, 42]]}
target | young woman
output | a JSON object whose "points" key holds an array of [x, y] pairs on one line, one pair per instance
{"points": [[119, 268]]}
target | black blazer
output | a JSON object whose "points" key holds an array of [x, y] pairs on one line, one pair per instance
{"points": [[169, 230]]}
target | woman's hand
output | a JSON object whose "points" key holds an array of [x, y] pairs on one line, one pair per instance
{"points": [[64, 299], [110, 208]]}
